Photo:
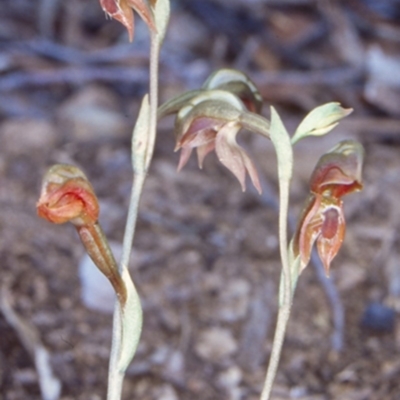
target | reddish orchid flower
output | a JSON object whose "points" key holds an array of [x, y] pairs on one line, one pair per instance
{"points": [[336, 174], [209, 119], [122, 11], [67, 196], [210, 122], [339, 171]]}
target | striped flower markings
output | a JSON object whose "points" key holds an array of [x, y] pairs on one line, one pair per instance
{"points": [[336, 174]]}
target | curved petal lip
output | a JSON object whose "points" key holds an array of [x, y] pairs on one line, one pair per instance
{"points": [[67, 196]]}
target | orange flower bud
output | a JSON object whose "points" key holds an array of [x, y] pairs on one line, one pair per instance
{"points": [[67, 196]]}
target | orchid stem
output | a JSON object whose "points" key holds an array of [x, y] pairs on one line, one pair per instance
{"points": [[115, 375], [154, 57], [284, 173], [280, 330]]}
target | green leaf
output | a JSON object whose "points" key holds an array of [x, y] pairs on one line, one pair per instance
{"points": [[176, 103], [131, 324], [237, 83], [320, 121], [255, 123], [281, 140], [140, 137], [161, 15]]}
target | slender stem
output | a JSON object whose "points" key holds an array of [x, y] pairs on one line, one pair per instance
{"points": [[280, 330], [116, 376], [283, 242], [154, 57], [137, 187], [285, 307]]}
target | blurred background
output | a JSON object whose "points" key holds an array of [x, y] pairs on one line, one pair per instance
{"points": [[206, 259]]}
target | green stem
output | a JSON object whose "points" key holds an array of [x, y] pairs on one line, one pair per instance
{"points": [[115, 375], [285, 307], [280, 330], [137, 188], [283, 241], [154, 57]]}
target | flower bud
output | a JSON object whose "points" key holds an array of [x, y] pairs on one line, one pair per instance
{"points": [[67, 196]]}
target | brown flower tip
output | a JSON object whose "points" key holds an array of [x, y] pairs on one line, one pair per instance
{"points": [[67, 196], [336, 174], [122, 11], [339, 171]]}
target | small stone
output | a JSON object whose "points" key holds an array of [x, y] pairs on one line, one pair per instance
{"points": [[96, 290], [24, 136], [234, 300], [93, 114], [165, 392], [160, 355], [378, 317], [215, 344], [230, 378], [175, 365], [349, 275]]}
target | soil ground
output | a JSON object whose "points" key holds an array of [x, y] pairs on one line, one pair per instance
{"points": [[205, 258]]}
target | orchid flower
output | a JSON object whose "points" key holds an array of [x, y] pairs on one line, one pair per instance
{"points": [[336, 174], [68, 196], [122, 11], [211, 121]]}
